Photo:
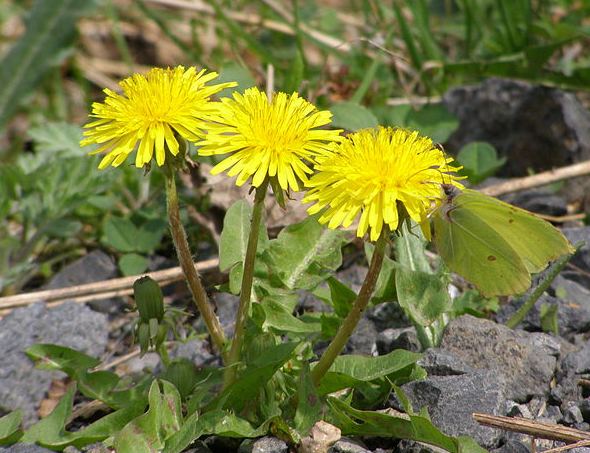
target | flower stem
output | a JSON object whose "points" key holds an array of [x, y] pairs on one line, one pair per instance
{"points": [[247, 279], [188, 267], [350, 322]]}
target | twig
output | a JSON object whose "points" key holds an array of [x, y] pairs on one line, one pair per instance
{"points": [[540, 179], [582, 443], [102, 289], [532, 428]]}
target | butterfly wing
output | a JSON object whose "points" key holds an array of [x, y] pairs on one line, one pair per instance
{"points": [[536, 241], [473, 249]]}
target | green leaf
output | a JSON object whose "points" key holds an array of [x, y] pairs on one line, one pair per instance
{"points": [[295, 74], [256, 375], [549, 318], [133, 264], [423, 296], [121, 234], [410, 250], [234, 236], [279, 318], [53, 357], [216, 422], [355, 422], [365, 368], [385, 286], [50, 28], [480, 160], [341, 297], [149, 431], [351, 116], [434, 121], [63, 228], [49, 429], [10, 427], [234, 72], [309, 405], [150, 234], [61, 139], [304, 254]]}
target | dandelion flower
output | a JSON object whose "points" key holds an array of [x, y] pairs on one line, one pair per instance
{"points": [[276, 139], [155, 110], [373, 172]]}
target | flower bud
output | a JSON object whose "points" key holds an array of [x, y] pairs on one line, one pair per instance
{"points": [[149, 299]]}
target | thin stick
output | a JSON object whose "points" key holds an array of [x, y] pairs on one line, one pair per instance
{"points": [[102, 289], [582, 443], [532, 427], [540, 179]]}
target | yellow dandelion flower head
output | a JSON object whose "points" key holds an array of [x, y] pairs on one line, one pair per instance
{"points": [[371, 172], [153, 109], [276, 139]]}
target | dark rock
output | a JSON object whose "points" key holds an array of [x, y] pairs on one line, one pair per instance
{"points": [[512, 446], [554, 412], [363, 339], [438, 362], [410, 446], [451, 401], [572, 414], [513, 409], [404, 338], [535, 126], [263, 445], [221, 444], [226, 307], [72, 325], [584, 406], [352, 276], [387, 315], [575, 235], [198, 447], [540, 201], [348, 446], [93, 267], [24, 448], [573, 309], [527, 360]]}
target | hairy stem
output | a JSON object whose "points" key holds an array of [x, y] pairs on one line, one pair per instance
{"points": [[188, 267], [247, 279], [351, 321]]}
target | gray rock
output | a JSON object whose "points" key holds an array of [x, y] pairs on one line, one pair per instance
{"points": [[348, 446], [404, 338], [537, 127], [582, 258], [513, 409], [584, 406], [264, 445], [226, 307], [195, 350], [541, 201], [512, 446], [527, 360], [24, 448], [93, 267], [438, 362], [352, 276], [387, 315], [572, 414], [451, 401], [364, 338], [573, 309], [72, 325]]}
